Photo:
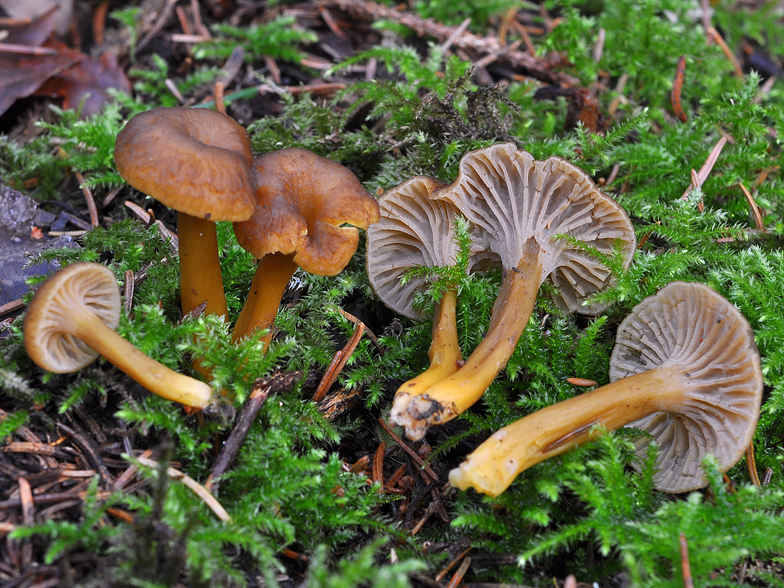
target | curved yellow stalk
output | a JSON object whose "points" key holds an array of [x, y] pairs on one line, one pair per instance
{"points": [[445, 356], [451, 396], [200, 272], [153, 375], [494, 465]]}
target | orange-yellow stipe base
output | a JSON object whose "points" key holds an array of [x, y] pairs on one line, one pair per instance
{"points": [[266, 291]]}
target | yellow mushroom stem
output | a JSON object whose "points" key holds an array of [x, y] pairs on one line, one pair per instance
{"points": [[445, 356], [154, 376], [453, 395], [548, 432], [273, 274], [444, 353], [200, 272]]}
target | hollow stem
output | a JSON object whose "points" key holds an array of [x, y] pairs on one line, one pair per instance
{"points": [[200, 272], [444, 353], [493, 466], [154, 376], [451, 396], [266, 291]]}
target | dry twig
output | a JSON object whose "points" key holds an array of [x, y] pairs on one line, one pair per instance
{"points": [[378, 466], [461, 571], [532, 66], [338, 362], [88, 196], [442, 574], [755, 211], [716, 36], [706, 168], [677, 86], [12, 306], [128, 288], [413, 454], [192, 485], [751, 464], [688, 582], [258, 396]]}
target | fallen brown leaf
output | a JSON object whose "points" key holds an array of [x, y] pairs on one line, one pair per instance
{"points": [[20, 75], [84, 85], [34, 32], [64, 72]]}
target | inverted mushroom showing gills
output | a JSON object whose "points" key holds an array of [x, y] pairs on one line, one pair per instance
{"points": [[520, 209], [416, 231], [71, 321], [685, 369], [198, 162], [302, 203]]}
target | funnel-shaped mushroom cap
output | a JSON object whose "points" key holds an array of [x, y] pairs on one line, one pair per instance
{"points": [[48, 341], [692, 328], [193, 160], [416, 230], [71, 321], [413, 231], [512, 199], [685, 368], [302, 201], [540, 218]]}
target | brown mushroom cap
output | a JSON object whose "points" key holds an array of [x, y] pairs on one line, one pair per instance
{"points": [[512, 199], [302, 202], [690, 326], [413, 230], [194, 160], [47, 340]]}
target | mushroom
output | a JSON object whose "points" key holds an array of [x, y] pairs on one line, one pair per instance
{"points": [[198, 162], [302, 202], [685, 369], [521, 209], [416, 231], [71, 320]]}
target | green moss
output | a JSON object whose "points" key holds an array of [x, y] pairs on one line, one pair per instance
{"points": [[151, 84], [277, 39], [587, 511]]}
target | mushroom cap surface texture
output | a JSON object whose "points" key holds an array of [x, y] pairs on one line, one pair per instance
{"points": [[691, 326], [194, 160], [302, 201], [46, 336], [414, 230], [511, 198]]}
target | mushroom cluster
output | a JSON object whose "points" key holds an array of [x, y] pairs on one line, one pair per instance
{"points": [[538, 220], [288, 207], [685, 368], [197, 162]]}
